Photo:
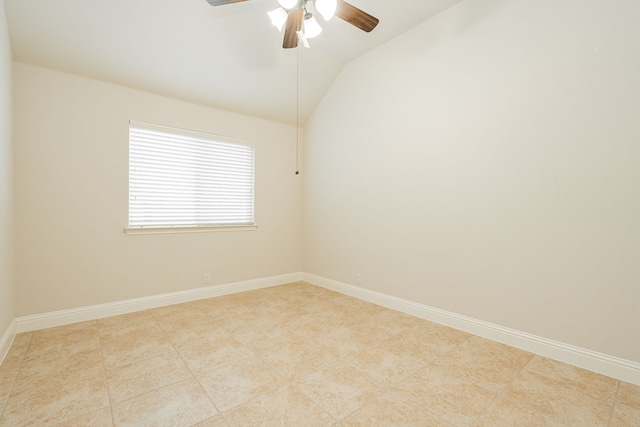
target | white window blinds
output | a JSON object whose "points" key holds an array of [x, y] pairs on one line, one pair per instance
{"points": [[183, 178]]}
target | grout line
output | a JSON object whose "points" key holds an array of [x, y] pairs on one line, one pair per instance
{"points": [[193, 375], [615, 403], [389, 391], [106, 382], [15, 377], [336, 421], [503, 390]]}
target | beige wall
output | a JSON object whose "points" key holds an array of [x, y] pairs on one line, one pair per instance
{"points": [[7, 290], [71, 142], [487, 162]]}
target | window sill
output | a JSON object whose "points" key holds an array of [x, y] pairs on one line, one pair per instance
{"points": [[178, 230]]}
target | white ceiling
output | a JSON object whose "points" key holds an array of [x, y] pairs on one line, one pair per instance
{"points": [[227, 57]]}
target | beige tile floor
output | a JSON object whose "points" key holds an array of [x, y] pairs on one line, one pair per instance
{"points": [[293, 355]]}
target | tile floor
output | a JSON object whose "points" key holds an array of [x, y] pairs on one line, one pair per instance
{"points": [[293, 355]]}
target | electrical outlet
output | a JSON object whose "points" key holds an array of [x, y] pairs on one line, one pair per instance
{"points": [[358, 278], [207, 278]]}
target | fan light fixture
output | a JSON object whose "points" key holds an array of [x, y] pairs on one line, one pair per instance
{"points": [[327, 8], [309, 27], [299, 24]]}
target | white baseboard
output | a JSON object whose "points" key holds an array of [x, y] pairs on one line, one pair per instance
{"points": [[615, 367], [7, 340], [81, 314], [611, 366]]}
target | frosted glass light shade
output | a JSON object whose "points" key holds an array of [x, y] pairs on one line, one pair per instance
{"points": [[311, 28], [288, 4], [278, 17], [327, 8]]}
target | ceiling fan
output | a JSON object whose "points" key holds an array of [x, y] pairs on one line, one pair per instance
{"points": [[300, 24]]}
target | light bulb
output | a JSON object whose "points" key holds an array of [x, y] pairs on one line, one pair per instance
{"points": [[311, 28], [327, 8], [278, 17], [288, 4]]}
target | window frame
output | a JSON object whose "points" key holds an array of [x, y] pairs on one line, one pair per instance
{"points": [[187, 228]]}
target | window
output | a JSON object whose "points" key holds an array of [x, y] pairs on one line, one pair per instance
{"points": [[186, 180]]}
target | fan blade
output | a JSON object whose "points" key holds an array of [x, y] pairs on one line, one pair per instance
{"points": [[294, 24], [223, 2], [355, 16]]}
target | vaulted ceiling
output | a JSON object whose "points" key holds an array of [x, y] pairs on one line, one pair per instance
{"points": [[228, 57]]}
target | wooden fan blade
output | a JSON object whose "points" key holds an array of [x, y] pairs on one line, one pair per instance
{"points": [[223, 2], [355, 16], [294, 24]]}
